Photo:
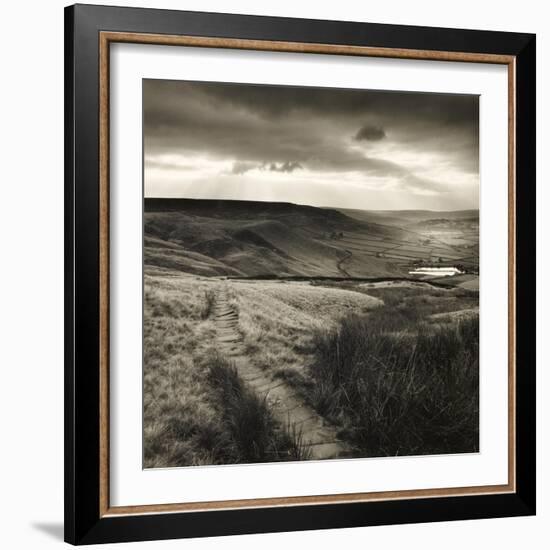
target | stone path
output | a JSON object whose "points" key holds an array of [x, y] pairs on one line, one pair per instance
{"points": [[285, 404]]}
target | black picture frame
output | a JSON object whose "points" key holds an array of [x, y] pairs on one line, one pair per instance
{"points": [[84, 524]]}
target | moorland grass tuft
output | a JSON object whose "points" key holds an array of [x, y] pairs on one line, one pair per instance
{"points": [[207, 306], [399, 393]]}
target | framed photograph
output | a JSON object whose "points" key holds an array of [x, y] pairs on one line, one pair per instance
{"points": [[300, 274]]}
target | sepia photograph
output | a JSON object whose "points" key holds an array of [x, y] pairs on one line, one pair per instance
{"points": [[310, 273]]}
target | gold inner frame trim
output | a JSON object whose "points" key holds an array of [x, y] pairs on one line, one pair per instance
{"points": [[105, 39]]}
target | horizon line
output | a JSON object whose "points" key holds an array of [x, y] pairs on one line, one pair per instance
{"points": [[316, 206]]}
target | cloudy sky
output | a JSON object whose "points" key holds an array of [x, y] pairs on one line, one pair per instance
{"points": [[319, 146]]}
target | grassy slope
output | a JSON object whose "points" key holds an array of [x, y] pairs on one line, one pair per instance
{"points": [[278, 320], [403, 379], [196, 411], [292, 329], [253, 239], [178, 409], [190, 416], [246, 238], [453, 236]]}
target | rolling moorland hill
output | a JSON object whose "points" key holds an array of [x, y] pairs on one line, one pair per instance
{"points": [[407, 218], [261, 239]]}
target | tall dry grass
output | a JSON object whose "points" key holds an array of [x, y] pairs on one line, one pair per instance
{"points": [[278, 320], [391, 382], [181, 426], [208, 303], [197, 411], [254, 434], [399, 393]]}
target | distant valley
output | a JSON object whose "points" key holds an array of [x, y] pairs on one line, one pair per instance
{"points": [[261, 239]]}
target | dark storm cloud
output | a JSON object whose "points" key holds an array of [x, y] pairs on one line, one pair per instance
{"points": [[242, 167], [284, 129], [272, 102], [369, 133], [285, 166]]}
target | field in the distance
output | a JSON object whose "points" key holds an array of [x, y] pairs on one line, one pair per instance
{"points": [[255, 239]]}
